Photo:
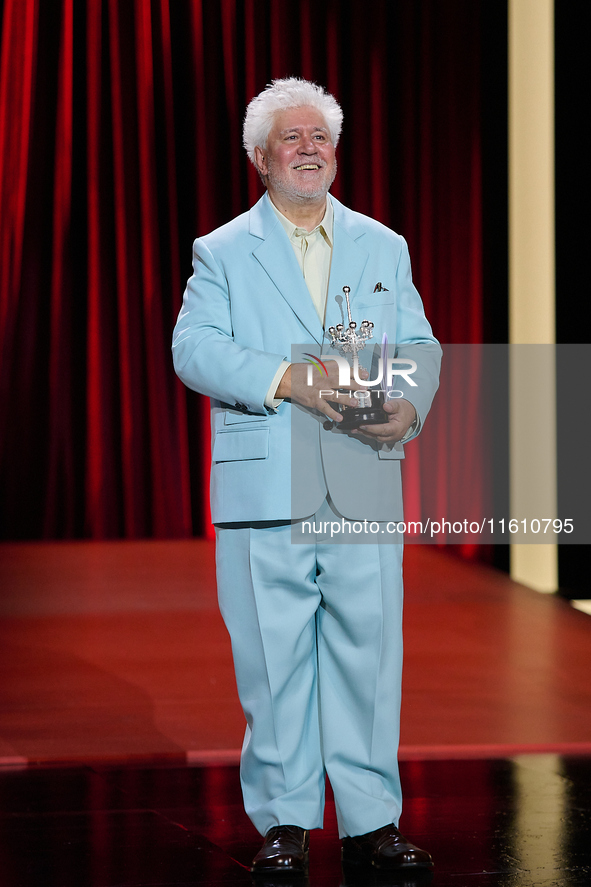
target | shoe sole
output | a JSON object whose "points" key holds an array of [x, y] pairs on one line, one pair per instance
{"points": [[361, 860]]}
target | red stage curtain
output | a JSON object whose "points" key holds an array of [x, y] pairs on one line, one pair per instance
{"points": [[120, 138]]}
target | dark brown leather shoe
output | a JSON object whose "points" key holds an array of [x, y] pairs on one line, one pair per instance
{"points": [[387, 849], [285, 850]]}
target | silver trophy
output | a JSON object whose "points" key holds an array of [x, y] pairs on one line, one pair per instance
{"points": [[349, 342]]}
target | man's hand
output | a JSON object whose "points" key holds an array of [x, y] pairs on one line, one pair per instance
{"points": [[294, 386], [401, 415]]}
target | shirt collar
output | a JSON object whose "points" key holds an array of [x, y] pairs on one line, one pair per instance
{"points": [[325, 226]]}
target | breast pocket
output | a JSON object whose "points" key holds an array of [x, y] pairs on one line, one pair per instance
{"points": [[238, 446], [373, 300]]}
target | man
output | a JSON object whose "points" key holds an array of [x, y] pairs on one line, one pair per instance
{"points": [[315, 626]]}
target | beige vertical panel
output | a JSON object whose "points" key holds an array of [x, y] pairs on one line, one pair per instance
{"points": [[532, 280]]}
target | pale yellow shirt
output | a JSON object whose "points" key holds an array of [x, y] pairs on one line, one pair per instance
{"points": [[313, 250]]}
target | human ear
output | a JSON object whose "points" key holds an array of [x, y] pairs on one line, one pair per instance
{"points": [[260, 160]]}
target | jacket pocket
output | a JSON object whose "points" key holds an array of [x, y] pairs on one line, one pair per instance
{"points": [[233, 417], [396, 452], [373, 301], [236, 446]]}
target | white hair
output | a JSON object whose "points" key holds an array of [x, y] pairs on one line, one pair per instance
{"points": [[291, 92]]}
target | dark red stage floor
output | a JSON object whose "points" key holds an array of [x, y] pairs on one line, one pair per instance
{"points": [[120, 726], [524, 822], [116, 650]]}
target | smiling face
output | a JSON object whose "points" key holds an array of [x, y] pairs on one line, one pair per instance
{"points": [[299, 161]]}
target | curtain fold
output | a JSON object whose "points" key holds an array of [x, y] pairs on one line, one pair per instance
{"points": [[120, 140]]}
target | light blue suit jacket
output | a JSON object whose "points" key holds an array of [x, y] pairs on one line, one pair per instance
{"points": [[245, 309]]}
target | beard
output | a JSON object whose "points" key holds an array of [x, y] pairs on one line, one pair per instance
{"points": [[287, 185]]}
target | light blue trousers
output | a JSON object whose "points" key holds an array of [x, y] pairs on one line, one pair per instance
{"points": [[316, 633]]}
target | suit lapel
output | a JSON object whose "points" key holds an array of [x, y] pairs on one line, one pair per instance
{"points": [[276, 256]]}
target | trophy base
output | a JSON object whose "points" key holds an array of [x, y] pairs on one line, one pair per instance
{"points": [[353, 417]]}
